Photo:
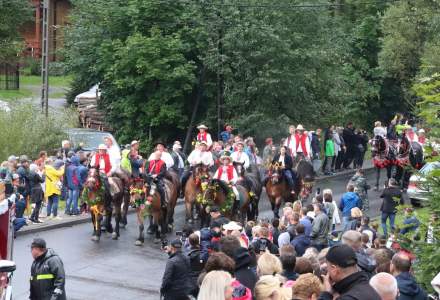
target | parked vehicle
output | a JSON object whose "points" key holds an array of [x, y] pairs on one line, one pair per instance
{"points": [[418, 190], [88, 139]]}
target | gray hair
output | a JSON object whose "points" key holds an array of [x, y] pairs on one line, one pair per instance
{"points": [[385, 285]]}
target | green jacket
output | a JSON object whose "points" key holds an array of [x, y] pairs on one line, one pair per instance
{"points": [[125, 161], [329, 148]]}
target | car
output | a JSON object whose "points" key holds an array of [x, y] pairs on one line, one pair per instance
{"points": [[88, 139], [418, 191]]}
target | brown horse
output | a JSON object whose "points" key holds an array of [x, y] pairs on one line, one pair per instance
{"points": [[200, 174], [97, 200], [219, 194], [277, 188]]}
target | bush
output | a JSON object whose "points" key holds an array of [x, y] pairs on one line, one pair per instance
{"points": [[56, 68], [32, 66], [25, 130]]}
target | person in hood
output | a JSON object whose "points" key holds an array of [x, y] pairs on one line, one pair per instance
{"points": [[349, 200], [344, 280], [73, 184], [243, 272], [408, 287], [47, 273], [36, 192], [195, 261], [54, 174]]}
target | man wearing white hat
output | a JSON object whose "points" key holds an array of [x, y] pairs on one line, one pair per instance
{"points": [[204, 136], [200, 155], [166, 157], [227, 173], [299, 145], [101, 160]]}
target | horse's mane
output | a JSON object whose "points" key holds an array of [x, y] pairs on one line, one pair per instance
{"points": [[221, 184], [304, 169]]}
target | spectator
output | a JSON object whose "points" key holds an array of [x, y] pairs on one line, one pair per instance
{"points": [[54, 173], [343, 279], [320, 227], [301, 242], [392, 197], [268, 264], [217, 217], [307, 287], [342, 150], [408, 287], [275, 230], [385, 285], [352, 238], [361, 139], [338, 142], [176, 283], [303, 266], [195, 261], [217, 261], [329, 152], [64, 151], [349, 200], [350, 143], [217, 285], [269, 152], [361, 188], [411, 223], [24, 188], [365, 239], [47, 273], [383, 260], [315, 144], [42, 156], [270, 287], [17, 197], [36, 192], [263, 242], [226, 135], [365, 228], [73, 185], [305, 221], [355, 220], [288, 261], [331, 209]]}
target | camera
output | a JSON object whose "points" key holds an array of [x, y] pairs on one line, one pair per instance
{"points": [[262, 245], [164, 243]]}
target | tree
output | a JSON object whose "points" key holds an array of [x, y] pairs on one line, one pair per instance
{"points": [[13, 14]]}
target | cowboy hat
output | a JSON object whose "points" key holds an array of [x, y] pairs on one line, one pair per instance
{"points": [[232, 226], [201, 126], [102, 147], [299, 127], [134, 142], [421, 130], [202, 143], [226, 155]]}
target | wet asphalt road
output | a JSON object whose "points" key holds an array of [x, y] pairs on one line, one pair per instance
{"points": [[118, 269]]}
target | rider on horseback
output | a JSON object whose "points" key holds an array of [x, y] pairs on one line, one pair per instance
{"points": [[101, 161], [286, 161], [155, 171], [227, 173], [241, 157], [198, 156]]}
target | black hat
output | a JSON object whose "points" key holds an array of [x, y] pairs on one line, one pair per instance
{"points": [[214, 209], [176, 243], [38, 243], [159, 143], [342, 256], [215, 224]]}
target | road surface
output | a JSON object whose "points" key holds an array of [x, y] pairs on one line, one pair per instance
{"points": [[118, 269]]}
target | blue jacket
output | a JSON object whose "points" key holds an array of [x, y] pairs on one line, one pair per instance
{"points": [[408, 288], [307, 225], [349, 200], [72, 174], [225, 136], [301, 243], [83, 173], [410, 224]]}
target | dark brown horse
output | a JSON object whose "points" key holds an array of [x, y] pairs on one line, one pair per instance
{"points": [[172, 190], [217, 193], [250, 179], [193, 189]]}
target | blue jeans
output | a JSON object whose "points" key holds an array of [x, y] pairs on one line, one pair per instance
{"points": [[289, 177], [72, 202], [384, 218], [345, 220], [52, 205]]}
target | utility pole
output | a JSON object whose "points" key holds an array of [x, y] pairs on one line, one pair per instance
{"points": [[220, 77], [45, 60]]}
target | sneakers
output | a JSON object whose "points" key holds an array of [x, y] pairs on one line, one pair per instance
{"points": [[58, 218], [36, 221]]}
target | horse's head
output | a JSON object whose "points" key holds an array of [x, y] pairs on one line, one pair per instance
{"points": [[239, 167], [275, 173], [378, 144], [93, 179], [404, 146], [201, 173], [137, 190]]}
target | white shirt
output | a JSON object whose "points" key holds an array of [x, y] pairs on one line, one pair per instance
{"points": [[115, 158], [181, 163], [224, 176], [166, 157], [281, 160], [241, 157], [295, 149], [381, 131], [198, 157], [208, 139]]}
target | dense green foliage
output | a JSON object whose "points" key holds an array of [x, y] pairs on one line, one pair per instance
{"points": [[270, 63], [13, 14], [25, 130]]}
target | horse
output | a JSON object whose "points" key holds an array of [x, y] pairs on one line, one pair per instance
{"points": [[193, 189], [305, 179], [278, 189], [218, 193], [97, 199], [251, 181], [172, 184], [409, 155], [384, 156]]}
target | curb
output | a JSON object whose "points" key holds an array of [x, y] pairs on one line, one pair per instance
{"points": [[180, 202]]}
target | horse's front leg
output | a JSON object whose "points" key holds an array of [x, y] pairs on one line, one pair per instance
{"points": [[125, 205], [140, 220], [276, 211], [115, 233], [377, 178]]}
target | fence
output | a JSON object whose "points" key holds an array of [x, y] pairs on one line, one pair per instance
{"points": [[9, 76]]}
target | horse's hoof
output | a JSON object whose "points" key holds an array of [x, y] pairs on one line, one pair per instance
{"points": [[190, 221], [156, 241], [138, 243], [114, 236], [95, 238]]}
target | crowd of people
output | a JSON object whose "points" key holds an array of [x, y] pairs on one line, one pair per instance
{"points": [[299, 256]]}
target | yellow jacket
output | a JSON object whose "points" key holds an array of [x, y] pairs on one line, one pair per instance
{"points": [[53, 176]]}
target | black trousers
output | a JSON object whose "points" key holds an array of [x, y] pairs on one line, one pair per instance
{"points": [[349, 156], [36, 211]]}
